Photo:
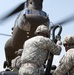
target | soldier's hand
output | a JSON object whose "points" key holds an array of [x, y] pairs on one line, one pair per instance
{"points": [[58, 38], [59, 42]]}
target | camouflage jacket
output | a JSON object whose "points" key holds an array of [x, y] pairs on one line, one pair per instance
{"points": [[35, 50], [66, 64], [16, 63]]}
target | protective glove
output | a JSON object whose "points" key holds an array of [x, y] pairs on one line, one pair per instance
{"points": [[58, 38], [59, 42]]}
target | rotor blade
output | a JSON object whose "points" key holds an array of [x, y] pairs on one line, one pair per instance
{"points": [[4, 34], [69, 19], [18, 9]]}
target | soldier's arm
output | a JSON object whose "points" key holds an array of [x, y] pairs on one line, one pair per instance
{"points": [[65, 65], [54, 48], [14, 62]]}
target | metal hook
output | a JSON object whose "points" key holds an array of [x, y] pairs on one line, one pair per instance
{"points": [[56, 37]]}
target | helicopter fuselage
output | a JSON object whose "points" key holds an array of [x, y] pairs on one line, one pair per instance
{"points": [[25, 25]]}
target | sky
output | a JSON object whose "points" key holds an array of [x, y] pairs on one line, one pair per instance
{"points": [[57, 11]]}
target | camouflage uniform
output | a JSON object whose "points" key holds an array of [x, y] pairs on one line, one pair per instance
{"points": [[35, 52], [15, 64], [66, 65]]}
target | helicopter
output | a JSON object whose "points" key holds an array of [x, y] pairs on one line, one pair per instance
{"points": [[24, 27], [15, 45]]}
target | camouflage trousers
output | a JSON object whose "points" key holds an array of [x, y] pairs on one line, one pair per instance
{"points": [[30, 69]]}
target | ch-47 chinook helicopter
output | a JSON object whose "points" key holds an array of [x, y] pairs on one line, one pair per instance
{"points": [[25, 25]]}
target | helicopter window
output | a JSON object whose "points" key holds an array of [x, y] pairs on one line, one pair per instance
{"points": [[36, 12], [26, 26], [22, 23], [43, 13], [27, 11]]}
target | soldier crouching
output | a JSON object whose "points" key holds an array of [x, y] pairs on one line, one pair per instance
{"points": [[16, 63], [66, 64]]}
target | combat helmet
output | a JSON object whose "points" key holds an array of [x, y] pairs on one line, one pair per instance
{"points": [[68, 40], [42, 29]]}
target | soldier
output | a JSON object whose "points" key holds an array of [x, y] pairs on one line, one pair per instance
{"points": [[15, 64], [36, 50], [66, 65]]}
